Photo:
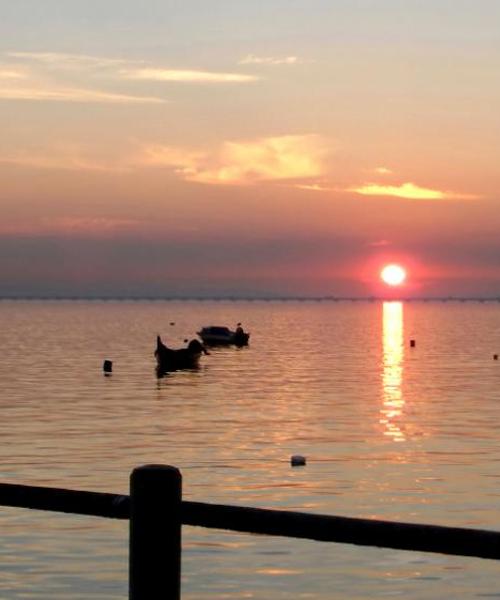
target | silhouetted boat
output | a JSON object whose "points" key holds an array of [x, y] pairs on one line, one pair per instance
{"points": [[168, 359], [223, 336]]}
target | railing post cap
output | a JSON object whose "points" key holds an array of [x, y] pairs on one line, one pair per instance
{"points": [[155, 467], [153, 471]]}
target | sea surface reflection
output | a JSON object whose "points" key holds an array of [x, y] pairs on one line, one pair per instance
{"points": [[392, 375], [388, 432]]}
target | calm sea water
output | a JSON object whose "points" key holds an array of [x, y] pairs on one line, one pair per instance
{"points": [[389, 431]]}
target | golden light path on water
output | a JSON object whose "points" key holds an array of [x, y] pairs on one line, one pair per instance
{"points": [[392, 370]]}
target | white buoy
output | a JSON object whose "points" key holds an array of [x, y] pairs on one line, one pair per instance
{"points": [[298, 461]]}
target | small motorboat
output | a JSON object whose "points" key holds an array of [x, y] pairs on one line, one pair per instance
{"points": [[168, 359], [216, 335]]}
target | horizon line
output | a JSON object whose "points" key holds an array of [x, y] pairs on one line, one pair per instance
{"points": [[231, 298]]}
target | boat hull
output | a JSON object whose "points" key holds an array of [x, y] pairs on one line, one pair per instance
{"points": [[220, 340], [168, 360]]}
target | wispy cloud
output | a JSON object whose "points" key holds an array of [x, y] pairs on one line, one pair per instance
{"points": [[94, 226], [56, 93], [67, 157], [66, 60], [245, 162], [11, 73], [50, 77], [406, 190], [284, 157], [382, 171], [252, 59], [65, 77], [127, 69], [315, 187], [183, 161], [186, 76]]}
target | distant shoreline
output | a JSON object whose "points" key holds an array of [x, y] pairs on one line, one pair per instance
{"points": [[244, 299]]}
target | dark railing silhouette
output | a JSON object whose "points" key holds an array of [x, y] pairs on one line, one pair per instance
{"points": [[157, 512]]}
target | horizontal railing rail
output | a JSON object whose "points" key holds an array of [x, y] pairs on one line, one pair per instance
{"points": [[156, 512], [78, 502], [459, 541]]}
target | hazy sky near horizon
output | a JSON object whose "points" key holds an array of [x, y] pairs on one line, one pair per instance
{"points": [[227, 147]]}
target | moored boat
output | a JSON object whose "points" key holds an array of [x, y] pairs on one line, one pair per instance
{"points": [[168, 359], [216, 335]]}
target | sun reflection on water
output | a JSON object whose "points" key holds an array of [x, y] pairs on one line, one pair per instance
{"points": [[392, 373]]}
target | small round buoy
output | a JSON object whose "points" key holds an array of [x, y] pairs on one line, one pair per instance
{"points": [[495, 357], [107, 367], [172, 323], [298, 461], [412, 343]]}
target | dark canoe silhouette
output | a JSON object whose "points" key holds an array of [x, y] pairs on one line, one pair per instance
{"points": [[223, 336], [168, 359]]}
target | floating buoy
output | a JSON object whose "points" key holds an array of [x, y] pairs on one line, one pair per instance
{"points": [[172, 323], [107, 367], [298, 461], [495, 357], [412, 343]]}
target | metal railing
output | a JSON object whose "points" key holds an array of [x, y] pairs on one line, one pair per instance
{"points": [[157, 512]]}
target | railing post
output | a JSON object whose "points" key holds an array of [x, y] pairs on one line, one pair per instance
{"points": [[155, 533]]}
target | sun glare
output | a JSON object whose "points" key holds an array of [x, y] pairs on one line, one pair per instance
{"points": [[393, 274]]}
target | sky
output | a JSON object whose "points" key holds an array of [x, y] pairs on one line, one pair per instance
{"points": [[229, 148]]}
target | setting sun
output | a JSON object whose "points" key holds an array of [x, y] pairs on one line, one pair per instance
{"points": [[393, 274]]}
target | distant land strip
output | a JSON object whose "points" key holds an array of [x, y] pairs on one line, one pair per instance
{"points": [[119, 298]]}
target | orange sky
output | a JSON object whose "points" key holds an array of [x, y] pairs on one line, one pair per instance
{"points": [[289, 148]]}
